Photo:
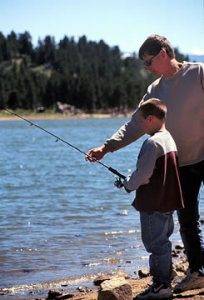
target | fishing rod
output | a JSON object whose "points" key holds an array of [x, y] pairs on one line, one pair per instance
{"points": [[66, 143]]}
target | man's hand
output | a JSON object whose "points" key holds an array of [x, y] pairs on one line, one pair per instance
{"points": [[97, 153]]}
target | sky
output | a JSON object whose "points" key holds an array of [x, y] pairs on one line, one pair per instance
{"points": [[123, 23]]}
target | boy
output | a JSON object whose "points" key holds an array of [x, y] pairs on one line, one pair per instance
{"points": [[156, 180]]}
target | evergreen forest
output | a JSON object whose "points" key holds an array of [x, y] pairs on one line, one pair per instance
{"points": [[90, 76]]}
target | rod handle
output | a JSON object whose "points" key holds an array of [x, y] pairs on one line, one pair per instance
{"points": [[116, 173]]}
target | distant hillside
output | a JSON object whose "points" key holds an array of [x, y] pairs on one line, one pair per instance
{"points": [[90, 76], [193, 57]]}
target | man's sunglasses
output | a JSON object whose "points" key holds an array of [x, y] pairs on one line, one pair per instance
{"points": [[148, 63]]}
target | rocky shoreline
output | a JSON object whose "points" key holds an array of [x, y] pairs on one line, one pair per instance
{"points": [[136, 285], [60, 115]]}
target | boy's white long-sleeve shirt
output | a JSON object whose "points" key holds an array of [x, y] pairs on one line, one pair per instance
{"points": [[145, 165], [156, 176]]}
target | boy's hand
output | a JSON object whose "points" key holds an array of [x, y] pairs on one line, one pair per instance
{"points": [[118, 183]]}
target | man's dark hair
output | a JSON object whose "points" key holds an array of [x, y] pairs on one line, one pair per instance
{"points": [[153, 45], [154, 107]]}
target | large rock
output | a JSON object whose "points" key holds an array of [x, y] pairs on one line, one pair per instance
{"points": [[115, 289]]}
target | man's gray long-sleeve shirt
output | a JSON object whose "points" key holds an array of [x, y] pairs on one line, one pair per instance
{"points": [[183, 94]]}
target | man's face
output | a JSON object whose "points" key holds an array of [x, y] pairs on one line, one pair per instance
{"points": [[154, 63]]}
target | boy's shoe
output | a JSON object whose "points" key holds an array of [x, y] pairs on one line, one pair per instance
{"points": [[156, 291], [192, 281]]}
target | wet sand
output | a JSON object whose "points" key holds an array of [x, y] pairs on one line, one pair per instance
{"points": [[61, 291], [88, 286]]}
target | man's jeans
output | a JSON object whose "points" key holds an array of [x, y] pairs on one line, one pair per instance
{"points": [[156, 229], [191, 178]]}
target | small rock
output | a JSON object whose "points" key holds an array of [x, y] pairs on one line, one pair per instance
{"points": [[81, 289], [98, 280], [179, 247], [115, 289], [174, 253], [143, 274], [64, 285], [53, 295]]}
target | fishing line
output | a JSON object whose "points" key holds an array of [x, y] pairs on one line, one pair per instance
{"points": [[66, 143]]}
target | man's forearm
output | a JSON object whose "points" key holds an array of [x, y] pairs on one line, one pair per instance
{"points": [[127, 134]]}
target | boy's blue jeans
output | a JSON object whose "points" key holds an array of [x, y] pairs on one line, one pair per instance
{"points": [[156, 228]]}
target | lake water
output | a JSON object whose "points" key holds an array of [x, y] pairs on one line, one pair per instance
{"points": [[60, 216]]}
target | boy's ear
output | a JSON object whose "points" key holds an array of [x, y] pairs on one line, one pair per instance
{"points": [[149, 118]]}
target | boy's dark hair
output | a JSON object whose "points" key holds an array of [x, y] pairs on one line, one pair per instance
{"points": [[154, 107], [153, 45]]}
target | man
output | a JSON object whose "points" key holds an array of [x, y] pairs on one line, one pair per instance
{"points": [[181, 87]]}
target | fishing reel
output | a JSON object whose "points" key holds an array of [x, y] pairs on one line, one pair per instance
{"points": [[118, 183]]}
